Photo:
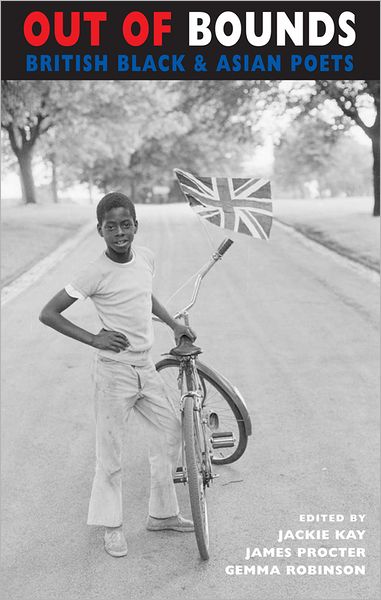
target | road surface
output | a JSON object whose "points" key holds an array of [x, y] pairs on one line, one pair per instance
{"points": [[297, 332]]}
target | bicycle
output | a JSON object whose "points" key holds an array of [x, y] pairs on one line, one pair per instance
{"points": [[215, 420]]}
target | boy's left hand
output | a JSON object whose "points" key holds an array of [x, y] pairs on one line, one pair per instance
{"points": [[179, 330]]}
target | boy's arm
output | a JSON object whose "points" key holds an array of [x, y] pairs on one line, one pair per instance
{"points": [[178, 329], [51, 316]]}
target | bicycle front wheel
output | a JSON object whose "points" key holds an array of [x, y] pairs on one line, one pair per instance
{"points": [[195, 455], [219, 409]]}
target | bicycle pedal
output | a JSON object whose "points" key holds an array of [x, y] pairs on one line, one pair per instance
{"points": [[180, 476], [223, 439]]}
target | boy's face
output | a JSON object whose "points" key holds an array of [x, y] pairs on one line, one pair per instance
{"points": [[118, 230]]}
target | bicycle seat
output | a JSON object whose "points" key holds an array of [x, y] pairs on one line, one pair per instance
{"points": [[185, 348]]}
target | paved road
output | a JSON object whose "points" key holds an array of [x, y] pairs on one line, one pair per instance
{"points": [[298, 333]]}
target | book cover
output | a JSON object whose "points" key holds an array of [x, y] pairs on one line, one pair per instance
{"points": [[256, 122]]}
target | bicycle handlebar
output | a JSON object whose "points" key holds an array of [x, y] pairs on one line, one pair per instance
{"points": [[224, 247], [217, 255]]}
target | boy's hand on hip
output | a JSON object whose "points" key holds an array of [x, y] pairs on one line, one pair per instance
{"points": [[110, 340], [179, 330]]}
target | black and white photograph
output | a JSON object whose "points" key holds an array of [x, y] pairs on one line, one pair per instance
{"points": [[190, 337]]}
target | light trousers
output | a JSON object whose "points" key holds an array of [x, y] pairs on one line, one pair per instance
{"points": [[119, 389]]}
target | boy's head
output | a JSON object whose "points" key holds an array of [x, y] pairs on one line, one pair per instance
{"points": [[114, 200], [117, 225]]}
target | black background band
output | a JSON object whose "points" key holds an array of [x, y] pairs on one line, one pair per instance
{"points": [[364, 51]]}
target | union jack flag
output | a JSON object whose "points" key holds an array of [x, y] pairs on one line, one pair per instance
{"points": [[241, 205]]}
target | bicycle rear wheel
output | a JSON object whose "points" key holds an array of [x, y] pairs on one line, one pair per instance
{"points": [[195, 455], [219, 409]]}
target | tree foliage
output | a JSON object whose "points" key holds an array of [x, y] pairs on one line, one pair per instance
{"points": [[311, 158], [242, 106], [130, 134], [358, 103]]}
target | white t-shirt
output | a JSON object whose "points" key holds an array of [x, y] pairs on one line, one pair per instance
{"points": [[122, 295]]}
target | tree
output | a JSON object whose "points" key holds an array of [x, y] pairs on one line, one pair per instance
{"points": [[121, 133], [80, 116], [227, 107], [194, 150], [83, 132], [114, 120], [26, 117], [302, 155], [353, 99], [188, 130], [340, 177], [312, 155], [241, 106]]}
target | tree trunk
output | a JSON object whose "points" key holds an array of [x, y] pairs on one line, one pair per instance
{"points": [[90, 184], [132, 190], [25, 161], [54, 180], [23, 198], [376, 174]]}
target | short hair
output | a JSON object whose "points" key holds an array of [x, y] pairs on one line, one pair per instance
{"points": [[114, 200]]}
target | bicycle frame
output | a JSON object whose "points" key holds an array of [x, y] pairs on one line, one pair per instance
{"points": [[188, 374], [184, 314], [198, 441]]}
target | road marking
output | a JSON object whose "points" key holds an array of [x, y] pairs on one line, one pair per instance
{"points": [[342, 260], [13, 289]]}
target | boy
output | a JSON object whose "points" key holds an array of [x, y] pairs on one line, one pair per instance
{"points": [[119, 283]]}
